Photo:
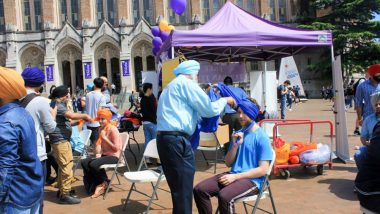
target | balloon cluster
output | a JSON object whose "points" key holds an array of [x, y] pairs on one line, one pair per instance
{"points": [[160, 34]]}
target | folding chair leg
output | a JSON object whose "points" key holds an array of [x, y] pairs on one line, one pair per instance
{"points": [[245, 207], [204, 156], [133, 137], [153, 188], [154, 193], [117, 178], [109, 185], [271, 199], [129, 195]]}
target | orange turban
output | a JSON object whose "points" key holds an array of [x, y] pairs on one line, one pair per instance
{"points": [[104, 113], [12, 84], [374, 69]]}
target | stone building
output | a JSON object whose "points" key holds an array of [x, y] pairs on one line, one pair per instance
{"points": [[74, 41]]}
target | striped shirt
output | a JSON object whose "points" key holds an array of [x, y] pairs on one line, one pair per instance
{"points": [[363, 97]]}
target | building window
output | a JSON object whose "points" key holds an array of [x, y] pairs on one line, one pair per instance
{"points": [[69, 10], [272, 10], [26, 15], [2, 22], [111, 12], [176, 19], [148, 11], [136, 11], [239, 3], [282, 10], [75, 13], [99, 11], [38, 14], [207, 11], [251, 6]]}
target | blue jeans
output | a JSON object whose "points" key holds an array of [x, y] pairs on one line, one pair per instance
{"points": [[44, 170], [13, 209], [359, 156], [283, 107], [150, 132]]}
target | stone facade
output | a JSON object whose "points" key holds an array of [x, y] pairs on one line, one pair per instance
{"points": [[75, 55]]}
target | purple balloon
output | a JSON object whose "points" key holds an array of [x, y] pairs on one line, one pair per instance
{"points": [[155, 50], [178, 6], [155, 31], [157, 42], [164, 36]]}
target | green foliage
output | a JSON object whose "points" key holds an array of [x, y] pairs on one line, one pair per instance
{"points": [[353, 31]]}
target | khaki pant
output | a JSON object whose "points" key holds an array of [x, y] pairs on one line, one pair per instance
{"points": [[64, 157]]}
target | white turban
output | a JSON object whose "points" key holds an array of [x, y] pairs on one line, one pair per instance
{"points": [[187, 67]]}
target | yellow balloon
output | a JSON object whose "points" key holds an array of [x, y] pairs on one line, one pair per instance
{"points": [[171, 27], [163, 25]]}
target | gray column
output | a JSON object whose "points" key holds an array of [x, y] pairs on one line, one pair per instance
{"points": [[72, 73]]}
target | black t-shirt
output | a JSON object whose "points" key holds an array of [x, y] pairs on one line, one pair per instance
{"points": [[63, 128], [149, 108]]}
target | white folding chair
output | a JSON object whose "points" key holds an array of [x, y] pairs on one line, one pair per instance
{"points": [[85, 136], [264, 192], [209, 142], [120, 163], [146, 176]]}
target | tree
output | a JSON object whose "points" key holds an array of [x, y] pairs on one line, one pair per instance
{"points": [[353, 31]]}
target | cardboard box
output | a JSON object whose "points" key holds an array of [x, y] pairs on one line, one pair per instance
{"points": [[208, 139]]}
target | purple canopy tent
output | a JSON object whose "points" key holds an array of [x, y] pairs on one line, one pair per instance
{"points": [[235, 35]]}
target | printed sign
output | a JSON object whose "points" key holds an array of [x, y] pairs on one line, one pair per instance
{"points": [[49, 73], [125, 67], [87, 70]]}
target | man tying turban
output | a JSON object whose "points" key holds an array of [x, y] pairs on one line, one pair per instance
{"points": [[108, 151], [20, 169], [39, 108], [249, 157], [364, 91], [180, 105]]}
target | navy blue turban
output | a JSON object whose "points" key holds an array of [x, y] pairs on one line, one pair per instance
{"points": [[33, 77], [247, 106]]}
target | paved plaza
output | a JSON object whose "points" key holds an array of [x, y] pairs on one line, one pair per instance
{"points": [[304, 192]]}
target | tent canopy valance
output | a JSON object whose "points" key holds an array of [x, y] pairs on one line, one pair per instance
{"points": [[237, 35]]}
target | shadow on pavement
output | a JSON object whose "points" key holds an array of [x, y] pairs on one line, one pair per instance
{"points": [[133, 207], [342, 188]]}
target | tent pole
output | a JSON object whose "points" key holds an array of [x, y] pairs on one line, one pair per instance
{"points": [[172, 56], [264, 103]]}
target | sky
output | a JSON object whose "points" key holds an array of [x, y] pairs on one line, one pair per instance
{"points": [[377, 17]]}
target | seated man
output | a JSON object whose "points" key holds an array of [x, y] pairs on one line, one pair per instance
{"points": [[249, 157], [367, 182], [367, 128]]}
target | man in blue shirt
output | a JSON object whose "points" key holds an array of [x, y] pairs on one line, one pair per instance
{"points": [[180, 106], [231, 117], [21, 177], [284, 93], [364, 91], [249, 157]]}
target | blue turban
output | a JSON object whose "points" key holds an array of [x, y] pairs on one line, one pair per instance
{"points": [[33, 77], [247, 106], [90, 86], [187, 67]]}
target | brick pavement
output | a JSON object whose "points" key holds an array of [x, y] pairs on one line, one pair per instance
{"points": [[303, 192]]}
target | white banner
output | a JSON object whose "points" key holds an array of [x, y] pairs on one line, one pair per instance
{"points": [[289, 71], [151, 77], [340, 113]]}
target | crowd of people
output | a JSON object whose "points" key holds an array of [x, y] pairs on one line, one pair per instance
{"points": [[31, 124]]}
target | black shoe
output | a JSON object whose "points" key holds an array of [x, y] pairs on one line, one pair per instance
{"points": [[71, 193], [357, 132], [67, 199]]}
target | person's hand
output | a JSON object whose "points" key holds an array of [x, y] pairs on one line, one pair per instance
{"points": [[360, 121], [88, 118], [227, 179], [235, 137], [231, 102], [98, 155]]}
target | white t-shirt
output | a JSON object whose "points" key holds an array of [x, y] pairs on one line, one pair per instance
{"points": [[94, 100]]}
